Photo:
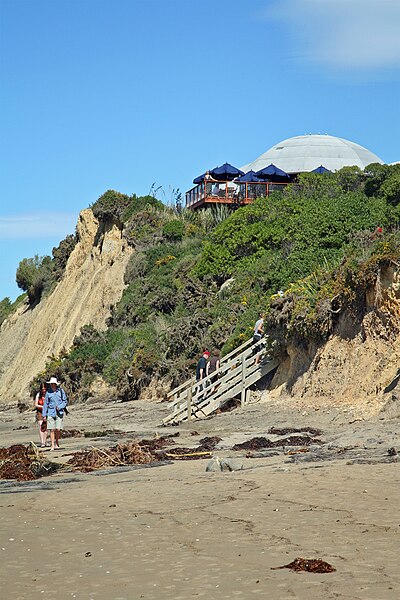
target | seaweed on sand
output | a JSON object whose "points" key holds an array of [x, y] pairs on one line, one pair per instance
{"points": [[287, 430], [186, 454], [136, 453], [156, 443], [209, 443], [203, 450], [93, 458], [311, 565], [257, 443], [24, 463]]}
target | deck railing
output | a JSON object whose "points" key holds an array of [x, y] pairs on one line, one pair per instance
{"points": [[229, 192]]}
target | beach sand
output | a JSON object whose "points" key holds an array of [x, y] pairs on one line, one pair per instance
{"points": [[175, 531]]}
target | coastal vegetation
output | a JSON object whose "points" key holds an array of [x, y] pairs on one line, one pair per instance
{"points": [[37, 276], [199, 279], [7, 307]]}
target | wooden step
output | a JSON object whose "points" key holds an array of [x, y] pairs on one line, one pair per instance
{"points": [[237, 377]]}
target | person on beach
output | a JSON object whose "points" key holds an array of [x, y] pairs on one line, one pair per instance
{"points": [[201, 371], [212, 366], [54, 408], [257, 335], [39, 401]]}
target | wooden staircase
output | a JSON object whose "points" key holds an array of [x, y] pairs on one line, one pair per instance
{"points": [[238, 371]]}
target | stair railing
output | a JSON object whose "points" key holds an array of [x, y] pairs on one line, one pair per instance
{"points": [[236, 372], [179, 392]]}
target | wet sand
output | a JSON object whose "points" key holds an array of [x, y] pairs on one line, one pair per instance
{"points": [[175, 531]]}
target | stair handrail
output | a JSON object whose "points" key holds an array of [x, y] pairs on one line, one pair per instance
{"points": [[186, 384], [231, 371]]}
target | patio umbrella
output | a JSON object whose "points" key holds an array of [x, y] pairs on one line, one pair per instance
{"points": [[249, 177], [225, 173], [199, 179], [321, 169], [273, 173]]}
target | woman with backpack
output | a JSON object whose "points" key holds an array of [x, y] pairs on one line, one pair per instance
{"points": [[39, 401]]}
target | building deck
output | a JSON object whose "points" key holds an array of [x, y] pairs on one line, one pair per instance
{"points": [[229, 193]]}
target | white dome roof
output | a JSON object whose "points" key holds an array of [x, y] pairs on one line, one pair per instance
{"points": [[305, 153]]}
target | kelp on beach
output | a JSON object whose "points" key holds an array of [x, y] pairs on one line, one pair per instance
{"points": [[257, 443], [92, 459], [141, 452], [24, 463], [311, 565]]}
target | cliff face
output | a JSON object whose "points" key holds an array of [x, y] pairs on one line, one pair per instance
{"points": [[358, 364], [92, 283]]}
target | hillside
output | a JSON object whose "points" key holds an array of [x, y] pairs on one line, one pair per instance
{"points": [[146, 287]]}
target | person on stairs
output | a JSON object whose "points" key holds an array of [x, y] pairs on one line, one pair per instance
{"points": [[201, 372], [258, 334], [212, 366]]}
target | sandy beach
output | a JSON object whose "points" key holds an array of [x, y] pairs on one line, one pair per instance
{"points": [[175, 531]]}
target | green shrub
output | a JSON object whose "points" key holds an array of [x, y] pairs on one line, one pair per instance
{"points": [[173, 231], [135, 268], [5, 309], [111, 205], [61, 254], [34, 276], [142, 203]]}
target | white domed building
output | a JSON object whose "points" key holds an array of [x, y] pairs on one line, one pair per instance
{"points": [[300, 154], [305, 153]]}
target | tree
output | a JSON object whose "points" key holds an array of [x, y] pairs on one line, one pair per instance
{"points": [[5, 308], [61, 254], [391, 189], [34, 276]]}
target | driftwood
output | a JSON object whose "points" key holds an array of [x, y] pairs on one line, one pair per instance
{"points": [[93, 458]]}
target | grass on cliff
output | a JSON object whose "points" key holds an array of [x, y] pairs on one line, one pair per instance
{"points": [[311, 307], [7, 307]]}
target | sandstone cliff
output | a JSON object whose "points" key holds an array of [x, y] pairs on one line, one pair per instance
{"points": [[92, 283], [358, 366]]}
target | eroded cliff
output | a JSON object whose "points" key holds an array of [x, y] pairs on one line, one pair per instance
{"points": [[93, 281], [358, 365]]}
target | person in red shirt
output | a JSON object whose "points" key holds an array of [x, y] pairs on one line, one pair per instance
{"points": [[39, 401]]}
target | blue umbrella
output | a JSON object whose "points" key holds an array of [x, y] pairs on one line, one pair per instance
{"points": [[226, 172], [321, 169], [249, 177], [199, 179], [272, 172]]}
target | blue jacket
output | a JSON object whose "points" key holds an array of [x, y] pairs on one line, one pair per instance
{"points": [[53, 402]]}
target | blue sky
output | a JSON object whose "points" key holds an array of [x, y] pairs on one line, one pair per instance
{"points": [[124, 94]]}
